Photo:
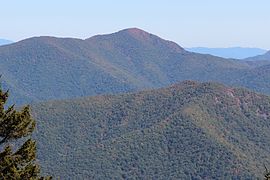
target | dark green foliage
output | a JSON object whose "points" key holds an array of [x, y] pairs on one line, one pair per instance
{"points": [[14, 125], [266, 174], [19, 165], [46, 68], [187, 131]]}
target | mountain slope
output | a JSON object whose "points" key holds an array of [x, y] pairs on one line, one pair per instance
{"points": [[234, 52], [189, 130], [156, 62], [49, 68], [256, 79], [44, 68]]}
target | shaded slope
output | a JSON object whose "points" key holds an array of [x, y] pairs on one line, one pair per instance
{"points": [[256, 79], [189, 130]]}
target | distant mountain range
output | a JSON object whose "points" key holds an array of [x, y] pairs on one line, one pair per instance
{"points": [[234, 52], [189, 130], [5, 42], [45, 68]]}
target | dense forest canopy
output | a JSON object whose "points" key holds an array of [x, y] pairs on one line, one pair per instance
{"points": [[188, 130]]}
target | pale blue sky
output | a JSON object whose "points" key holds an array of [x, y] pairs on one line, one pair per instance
{"points": [[210, 23]]}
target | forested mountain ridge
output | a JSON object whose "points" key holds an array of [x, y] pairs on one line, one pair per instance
{"points": [[188, 130], [46, 68]]}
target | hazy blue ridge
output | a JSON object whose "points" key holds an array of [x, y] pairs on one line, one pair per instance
{"points": [[233, 52], [5, 42]]}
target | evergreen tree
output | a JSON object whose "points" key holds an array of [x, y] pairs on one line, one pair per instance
{"points": [[266, 174], [18, 164]]}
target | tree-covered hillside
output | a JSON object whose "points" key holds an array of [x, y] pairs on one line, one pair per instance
{"points": [[46, 68], [188, 130]]}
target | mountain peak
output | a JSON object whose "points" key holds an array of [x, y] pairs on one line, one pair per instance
{"points": [[144, 36], [138, 33]]}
